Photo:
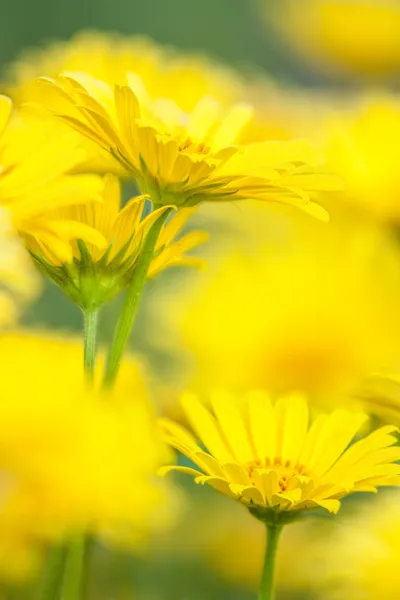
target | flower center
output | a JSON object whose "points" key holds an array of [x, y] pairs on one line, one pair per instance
{"points": [[194, 148], [285, 470]]}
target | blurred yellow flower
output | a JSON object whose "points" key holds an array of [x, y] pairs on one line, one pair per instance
{"points": [[379, 394], [70, 461], [35, 159], [273, 460], [19, 283], [184, 158], [315, 309], [361, 145], [102, 262], [352, 37], [109, 56], [362, 559]]}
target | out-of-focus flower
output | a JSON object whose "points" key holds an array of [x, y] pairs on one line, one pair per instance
{"points": [[353, 38], [71, 462], [184, 158], [315, 310], [362, 558], [35, 160], [361, 145], [108, 57], [102, 262], [18, 281], [379, 394], [273, 460]]}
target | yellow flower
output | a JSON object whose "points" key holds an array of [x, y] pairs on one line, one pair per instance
{"points": [[71, 462], [354, 38], [362, 559], [101, 263], [379, 394], [108, 57], [185, 158], [314, 310], [35, 159], [361, 145], [273, 460], [18, 281]]}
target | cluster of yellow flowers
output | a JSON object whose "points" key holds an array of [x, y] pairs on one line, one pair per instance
{"points": [[285, 344]]}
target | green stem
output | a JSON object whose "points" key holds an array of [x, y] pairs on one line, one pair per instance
{"points": [[53, 574], [91, 318], [132, 300], [74, 569], [267, 580]]}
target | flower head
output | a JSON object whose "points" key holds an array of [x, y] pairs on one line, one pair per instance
{"points": [[108, 57], [35, 160], [317, 312], [273, 460], [101, 261], [183, 158]]}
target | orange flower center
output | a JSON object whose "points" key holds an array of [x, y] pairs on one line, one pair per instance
{"points": [[192, 147], [285, 470]]}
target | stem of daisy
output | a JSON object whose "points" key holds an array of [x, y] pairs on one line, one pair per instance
{"points": [[74, 569], [267, 580], [91, 318], [132, 300], [76, 552], [53, 574]]}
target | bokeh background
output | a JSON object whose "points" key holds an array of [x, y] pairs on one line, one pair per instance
{"points": [[214, 550]]}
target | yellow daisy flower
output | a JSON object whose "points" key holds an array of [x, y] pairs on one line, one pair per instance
{"points": [[108, 57], [273, 460], [93, 271], [183, 158], [35, 160]]}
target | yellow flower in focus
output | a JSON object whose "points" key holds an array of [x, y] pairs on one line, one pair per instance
{"points": [[273, 460], [354, 38], [182, 158], [93, 269], [70, 461], [108, 57], [314, 310], [35, 160], [362, 559], [18, 281], [361, 145]]}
